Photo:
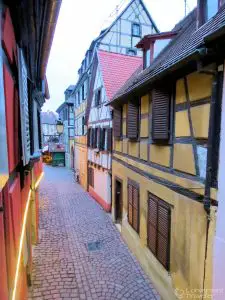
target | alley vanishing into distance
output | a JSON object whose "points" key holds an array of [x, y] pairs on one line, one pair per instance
{"points": [[80, 254]]}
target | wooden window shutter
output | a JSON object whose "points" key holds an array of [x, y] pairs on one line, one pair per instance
{"points": [[163, 234], [159, 222], [152, 223], [109, 139], [135, 209], [133, 206], [24, 107], [160, 114], [132, 120], [117, 122], [130, 201]]}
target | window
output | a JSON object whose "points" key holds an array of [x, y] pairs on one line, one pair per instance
{"points": [[91, 177], [133, 205], [212, 8], [131, 52], [221, 3], [78, 97], [160, 115], [117, 122], [109, 139], [102, 139], [133, 120], [136, 30], [98, 97], [83, 92], [83, 125], [147, 58], [89, 137], [159, 223]]}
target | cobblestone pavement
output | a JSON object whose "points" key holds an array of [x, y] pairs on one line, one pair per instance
{"points": [[66, 263]]}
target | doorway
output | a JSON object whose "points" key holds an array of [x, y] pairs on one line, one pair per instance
{"points": [[118, 202]]}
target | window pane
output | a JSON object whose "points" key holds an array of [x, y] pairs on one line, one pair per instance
{"points": [[212, 8], [136, 30], [147, 58]]}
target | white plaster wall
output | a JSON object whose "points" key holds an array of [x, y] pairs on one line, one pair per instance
{"points": [[219, 241], [102, 184]]}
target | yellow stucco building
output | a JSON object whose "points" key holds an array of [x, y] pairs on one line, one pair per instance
{"points": [[80, 145], [164, 169]]}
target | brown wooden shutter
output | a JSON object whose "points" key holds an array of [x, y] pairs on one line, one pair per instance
{"points": [[163, 234], [117, 122], [132, 120], [135, 209], [160, 114], [152, 223], [109, 139], [129, 204], [159, 220]]}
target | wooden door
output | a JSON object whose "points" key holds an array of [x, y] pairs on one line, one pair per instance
{"points": [[118, 202]]}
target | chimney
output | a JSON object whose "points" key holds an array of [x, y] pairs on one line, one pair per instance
{"points": [[206, 9]]}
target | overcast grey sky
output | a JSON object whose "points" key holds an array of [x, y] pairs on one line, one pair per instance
{"points": [[79, 23]]}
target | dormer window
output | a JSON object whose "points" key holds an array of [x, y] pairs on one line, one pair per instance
{"points": [[153, 44], [136, 30], [207, 9], [147, 58], [131, 52], [221, 3]]}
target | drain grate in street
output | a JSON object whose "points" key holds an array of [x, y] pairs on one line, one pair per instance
{"points": [[94, 246]]}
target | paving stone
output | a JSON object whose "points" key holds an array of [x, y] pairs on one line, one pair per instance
{"points": [[64, 266]]}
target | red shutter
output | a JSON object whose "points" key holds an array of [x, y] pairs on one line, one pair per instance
{"points": [[132, 120], [117, 122], [160, 114]]}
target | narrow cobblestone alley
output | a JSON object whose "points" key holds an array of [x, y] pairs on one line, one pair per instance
{"points": [[67, 263]]}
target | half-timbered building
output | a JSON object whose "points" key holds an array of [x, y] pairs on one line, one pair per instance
{"points": [[120, 37], [66, 115], [26, 33], [111, 70], [165, 154]]}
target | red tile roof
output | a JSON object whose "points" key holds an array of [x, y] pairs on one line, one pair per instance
{"points": [[116, 69]]}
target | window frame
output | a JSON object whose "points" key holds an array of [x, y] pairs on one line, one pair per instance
{"points": [[98, 97], [132, 50], [132, 29]]}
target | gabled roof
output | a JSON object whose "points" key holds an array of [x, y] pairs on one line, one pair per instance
{"points": [[116, 69], [182, 49], [106, 30]]}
